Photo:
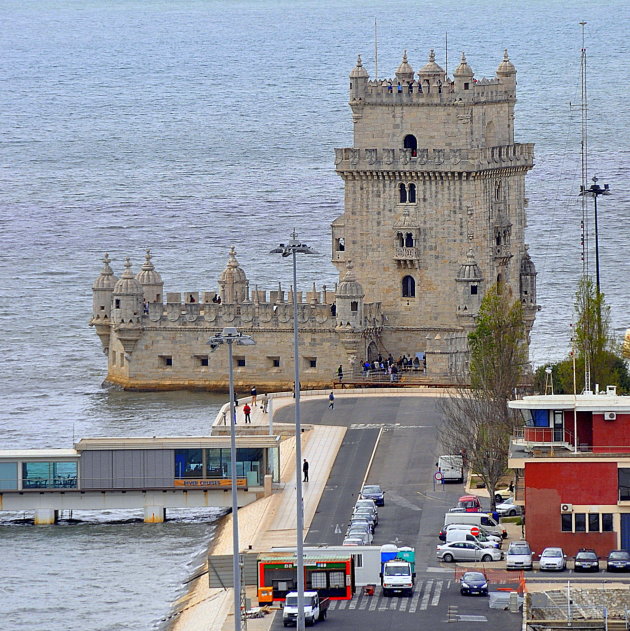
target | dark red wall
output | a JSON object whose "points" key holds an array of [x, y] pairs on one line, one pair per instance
{"points": [[549, 484], [611, 436]]}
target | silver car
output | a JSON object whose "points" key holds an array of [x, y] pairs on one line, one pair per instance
{"points": [[553, 559], [519, 556], [467, 551]]}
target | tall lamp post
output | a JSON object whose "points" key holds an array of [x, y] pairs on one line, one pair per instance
{"points": [[292, 248], [229, 336], [595, 190]]}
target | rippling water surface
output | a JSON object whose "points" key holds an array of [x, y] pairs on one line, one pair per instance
{"points": [[190, 126]]}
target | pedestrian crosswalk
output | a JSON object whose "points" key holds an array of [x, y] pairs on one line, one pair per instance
{"points": [[426, 594], [386, 426]]}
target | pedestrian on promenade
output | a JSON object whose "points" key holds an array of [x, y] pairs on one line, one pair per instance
{"points": [[331, 399], [247, 410], [264, 401], [305, 470], [253, 393], [340, 373]]}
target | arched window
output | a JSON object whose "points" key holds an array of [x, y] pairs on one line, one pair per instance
{"points": [[354, 306], [412, 193], [410, 142], [340, 244], [408, 287], [409, 240], [403, 193], [499, 284], [401, 239]]}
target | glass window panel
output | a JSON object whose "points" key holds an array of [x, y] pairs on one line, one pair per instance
{"points": [[607, 522], [580, 522], [65, 474], [337, 579], [188, 463], [624, 484], [318, 580], [567, 522], [215, 465], [8, 476], [593, 522]]}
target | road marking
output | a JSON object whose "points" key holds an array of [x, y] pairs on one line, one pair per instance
{"points": [[386, 426], [343, 604], [467, 618], [404, 603], [427, 594], [402, 501], [354, 602], [373, 603], [439, 569], [382, 603], [436, 593], [364, 601], [394, 603], [415, 598], [333, 604], [337, 530]]}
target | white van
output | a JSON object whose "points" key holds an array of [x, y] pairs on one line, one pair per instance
{"points": [[451, 468], [483, 533], [464, 535], [476, 519]]}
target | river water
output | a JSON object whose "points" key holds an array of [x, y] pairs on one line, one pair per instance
{"points": [[190, 126]]}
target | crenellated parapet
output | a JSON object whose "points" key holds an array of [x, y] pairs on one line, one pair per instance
{"points": [[392, 160]]}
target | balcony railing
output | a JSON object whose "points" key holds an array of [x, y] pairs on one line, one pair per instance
{"points": [[406, 253]]}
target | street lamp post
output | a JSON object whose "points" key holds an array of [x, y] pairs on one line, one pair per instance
{"points": [[292, 248], [595, 191], [228, 336]]}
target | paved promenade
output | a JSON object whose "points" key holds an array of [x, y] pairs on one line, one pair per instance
{"points": [[268, 522]]}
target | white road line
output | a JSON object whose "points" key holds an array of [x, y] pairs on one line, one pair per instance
{"points": [[343, 604], [414, 600], [354, 602], [424, 604], [404, 603], [436, 593], [373, 602], [468, 618], [383, 603], [394, 603], [363, 603], [333, 604]]}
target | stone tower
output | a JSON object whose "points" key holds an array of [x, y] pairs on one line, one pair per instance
{"points": [[434, 203]]}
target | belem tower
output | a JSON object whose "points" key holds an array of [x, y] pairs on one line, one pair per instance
{"points": [[434, 214]]}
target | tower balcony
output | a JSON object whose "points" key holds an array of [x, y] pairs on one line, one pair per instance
{"points": [[406, 256], [502, 252]]}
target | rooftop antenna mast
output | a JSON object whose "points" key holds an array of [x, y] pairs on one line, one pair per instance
{"points": [[446, 48], [375, 50], [584, 153]]}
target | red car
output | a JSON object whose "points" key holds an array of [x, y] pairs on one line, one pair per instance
{"points": [[470, 503]]}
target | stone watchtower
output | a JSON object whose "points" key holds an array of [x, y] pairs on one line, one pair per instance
{"points": [[434, 204]]}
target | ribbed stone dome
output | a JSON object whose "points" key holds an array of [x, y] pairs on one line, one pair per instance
{"points": [[106, 280], [431, 67], [233, 272], [128, 285], [469, 271], [359, 71], [463, 70], [506, 67], [147, 275], [404, 71], [350, 287], [527, 265]]}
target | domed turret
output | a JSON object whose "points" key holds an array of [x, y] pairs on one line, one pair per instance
{"points": [[128, 297], [469, 279], [528, 281], [404, 73], [358, 80], [102, 293], [463, 75], [349, 300], [506, 70], [151, 281], [431, 74], [233, 281]]}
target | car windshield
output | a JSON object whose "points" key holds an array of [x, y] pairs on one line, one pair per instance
{"points": [[552, 553], [469, 577], [620, 555], [372, 489], [518, 549], [396, 571], [588, 556]]}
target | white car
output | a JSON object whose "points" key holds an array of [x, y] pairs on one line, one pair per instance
{"points": [[467, 551], [508, 508], [553, 559]]}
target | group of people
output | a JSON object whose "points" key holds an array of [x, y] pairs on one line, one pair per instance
{"points": [[393, 367]]}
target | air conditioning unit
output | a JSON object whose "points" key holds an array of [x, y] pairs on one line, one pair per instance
{"points": [[610, 416], [566, 508]]}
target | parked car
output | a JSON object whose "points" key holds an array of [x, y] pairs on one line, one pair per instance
{"points": [[353, 541], [474, 583], [508, 508], [519, 556], [484, 535], [586, 561], [467, 551], [553, 559], [362, 521], [366, 503], [364, 536], [618, 561], [465, 535], [373, 492], [467, 504], [367, 514]]}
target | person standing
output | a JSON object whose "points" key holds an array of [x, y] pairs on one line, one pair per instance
{"points": [[253, 393], [331, 399], [340, 373], [305, 470], [263, 403], [247, 411]]}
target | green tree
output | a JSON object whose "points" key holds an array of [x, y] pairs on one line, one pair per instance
{"points": [[476, 418]]}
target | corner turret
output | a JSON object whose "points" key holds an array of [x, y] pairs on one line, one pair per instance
{"points": [[463, 75], [358, 81], [528, 282], [127, 297], [151, 281], [404, 73], [506, 71], [233, 282], [431, 75], [469, 288], [102, 290]]}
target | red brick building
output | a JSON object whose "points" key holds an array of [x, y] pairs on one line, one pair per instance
{"points": [[572, 459]]}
